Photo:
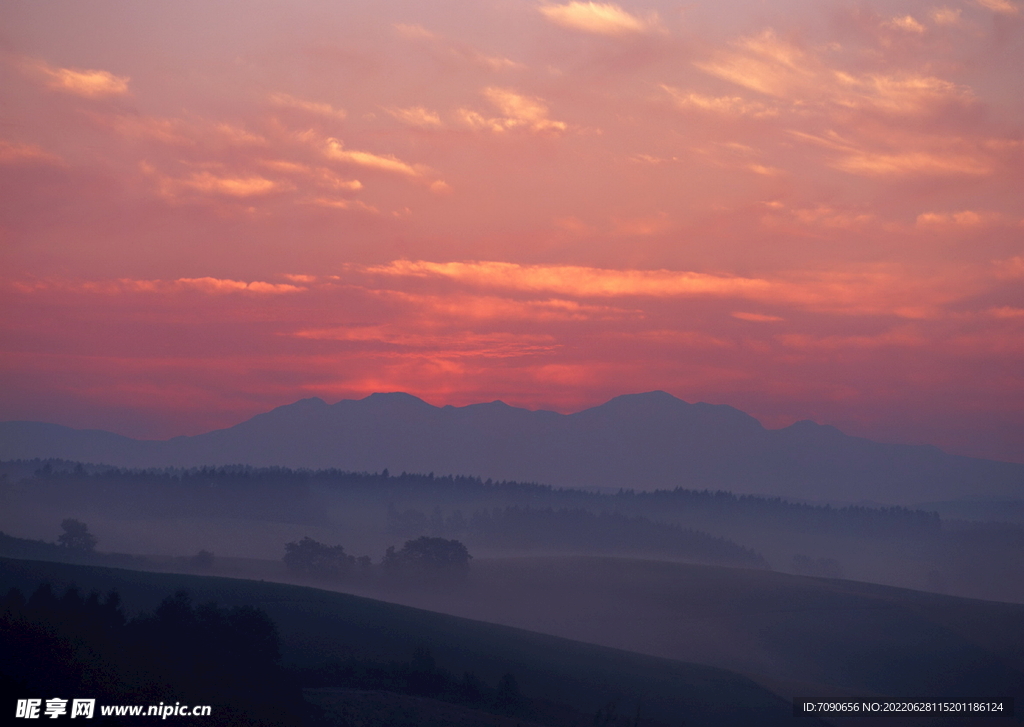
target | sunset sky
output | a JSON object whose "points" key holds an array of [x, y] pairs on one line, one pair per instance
{"points": [[804, 209]]}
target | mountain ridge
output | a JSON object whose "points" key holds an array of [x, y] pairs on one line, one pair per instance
{"points": [[641, 441]]}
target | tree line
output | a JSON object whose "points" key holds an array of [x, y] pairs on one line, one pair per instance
{"points": [[423, 559], [281, 487]]}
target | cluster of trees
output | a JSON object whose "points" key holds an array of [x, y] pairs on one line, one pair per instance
{"points": [[84, 646], [76, 536], [313, 558], [424, 557]]}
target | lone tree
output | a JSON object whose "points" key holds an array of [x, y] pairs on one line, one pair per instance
{"points": [[316, 559], [429, 557], [76, 536], [202, 560]]}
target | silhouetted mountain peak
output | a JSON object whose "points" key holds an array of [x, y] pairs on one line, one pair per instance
{"points": [[644, 440], [391, 399]]}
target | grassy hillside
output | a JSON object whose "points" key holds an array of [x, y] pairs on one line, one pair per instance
{"points": [[316, 625]]}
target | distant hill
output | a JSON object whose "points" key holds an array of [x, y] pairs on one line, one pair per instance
{"points": [[640, 441]]}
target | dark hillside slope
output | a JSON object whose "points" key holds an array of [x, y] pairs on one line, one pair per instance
{"points": [[640, 441], [318, 625], [849, 636]]}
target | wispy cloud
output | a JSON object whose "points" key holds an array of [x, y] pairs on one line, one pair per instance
{"points": [[152, 128], [344, 204], [776, 67], [220, 285], [206, 183], [518, 112], [964, 218], [317, 108], [449, 51], [920, 155], [599, 18], [755, 317], [14, 153], [320, 176], [90, 83], [335, 150], [440, 344], [946, 16], [417, 116], [721, 105], [872, 292], [905, 22], [206, 284], [231, 186], [1003, 7]]}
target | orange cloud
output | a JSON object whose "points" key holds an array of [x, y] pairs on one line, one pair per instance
{"points": [[722, 105], [412, 31], [581, 281], [236, 135], [935, 156], [1003, 7], [1006, 312], [13, 153], [231, 186], [87, 83], [166, 131], [218, 285], [907, 23], [921, 162], [518, 111], [313, 107], [755, 317], [135, 285], [334, 149], [965, 218], [459, 52], [344, 204], [775, 67], [872, 292], [946, 16], [417, 116], [320, 176], [455, 306], [599, 18], [440, 344]]}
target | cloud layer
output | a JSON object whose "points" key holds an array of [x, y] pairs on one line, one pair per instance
{"points": [[807, 213]]}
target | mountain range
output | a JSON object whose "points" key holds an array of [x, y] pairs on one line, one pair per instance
{"points": [[638, 441]]}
